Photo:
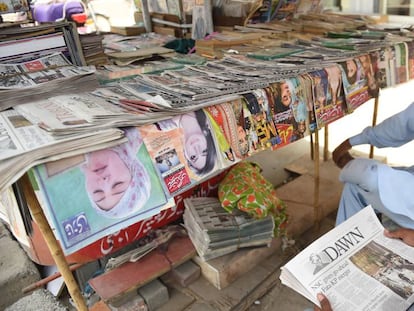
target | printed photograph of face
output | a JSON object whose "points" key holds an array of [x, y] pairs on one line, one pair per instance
{"points": [[98, 193], [167, 161], [198, 142], [116, 181], [285, 94], [107, 178], [351, 73]]}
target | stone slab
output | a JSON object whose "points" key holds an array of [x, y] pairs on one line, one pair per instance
{"points": [[178, 300]]}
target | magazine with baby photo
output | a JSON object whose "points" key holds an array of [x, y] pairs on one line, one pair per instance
{"points": [[98, 193]]}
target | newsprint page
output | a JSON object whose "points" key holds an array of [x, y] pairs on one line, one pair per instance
{"points": [[356, 267]]}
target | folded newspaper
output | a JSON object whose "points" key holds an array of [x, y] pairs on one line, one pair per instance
{"points": [[356, 267], [216, 232]]}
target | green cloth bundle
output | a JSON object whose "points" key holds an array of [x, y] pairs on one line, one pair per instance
{"points": [[245, 188]]}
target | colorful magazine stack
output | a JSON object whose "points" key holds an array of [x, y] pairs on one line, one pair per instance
{"points": [[216, 232]]}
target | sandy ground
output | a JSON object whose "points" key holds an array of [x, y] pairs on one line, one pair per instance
{"points": [[39, 300]]}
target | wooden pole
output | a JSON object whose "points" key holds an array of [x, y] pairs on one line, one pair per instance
{"points": [[326, 144], [374, 122], [146, 16], [316, 208], [54, 247], [312, 147]]}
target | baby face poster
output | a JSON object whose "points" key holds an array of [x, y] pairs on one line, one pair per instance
{"points": [[90, 196]]}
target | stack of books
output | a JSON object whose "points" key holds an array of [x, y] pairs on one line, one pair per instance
{"points": [[93, 49], [216, 232]]}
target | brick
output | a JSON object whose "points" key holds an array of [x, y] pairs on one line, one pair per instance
{"points": [[155, 294], [185, 273]]}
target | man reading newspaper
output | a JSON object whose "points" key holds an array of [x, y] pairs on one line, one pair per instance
{"points": [[356, 267]]}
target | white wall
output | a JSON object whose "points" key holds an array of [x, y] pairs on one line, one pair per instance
{"points": [[358, 6], [391, 101]]}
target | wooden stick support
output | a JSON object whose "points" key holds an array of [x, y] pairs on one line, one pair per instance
{"points": [[374, 122], [146, 16], [311, 147], [316, 207], [326, 143], [54, 247]]}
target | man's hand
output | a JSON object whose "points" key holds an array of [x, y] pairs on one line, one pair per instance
{"points": [[341, 155], [325, 304], [406, 235]]}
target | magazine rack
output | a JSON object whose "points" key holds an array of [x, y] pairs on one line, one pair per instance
{"points": [[61, 261]]}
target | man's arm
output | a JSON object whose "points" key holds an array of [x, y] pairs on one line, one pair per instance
{"points": [[394, 131]]}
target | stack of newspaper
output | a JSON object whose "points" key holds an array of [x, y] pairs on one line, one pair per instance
{"points": [[52, 75], [24, 145], [216, 232], [356, 267]]}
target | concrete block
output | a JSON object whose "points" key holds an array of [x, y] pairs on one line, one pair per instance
{"points": [[18, 271], [130, 303], [186, 273], [155, 294]]}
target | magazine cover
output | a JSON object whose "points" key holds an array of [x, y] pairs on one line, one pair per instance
{"points": [[259, 123], [224, 125], [401, 62], [289, 111], [306, 82], [242, 139], [328, 94], [410, 52], [385, 61], [92, 195], [375, 58], [355, 83], [183, 150]]}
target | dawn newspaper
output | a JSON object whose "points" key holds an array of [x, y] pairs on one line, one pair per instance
{"points": [[356, 267]]}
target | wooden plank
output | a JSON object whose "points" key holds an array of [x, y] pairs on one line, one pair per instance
{"points": [[224, 270], [115, 283]]}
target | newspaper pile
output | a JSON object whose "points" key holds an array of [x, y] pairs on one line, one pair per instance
{"points": [[356, 267], [52, 75], [76, 113], [24, 145], [216, 232]]}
